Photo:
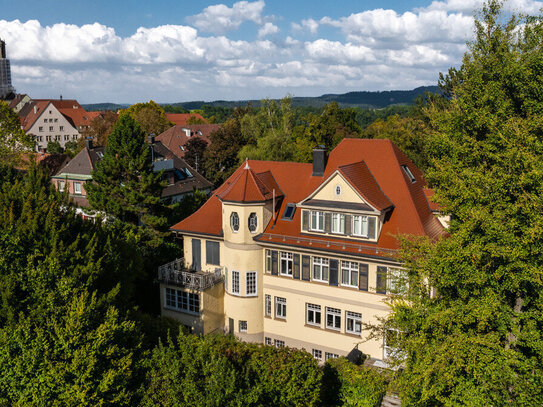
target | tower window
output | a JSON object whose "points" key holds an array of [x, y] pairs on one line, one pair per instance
{"points": [[253, 222], [234, 221]]}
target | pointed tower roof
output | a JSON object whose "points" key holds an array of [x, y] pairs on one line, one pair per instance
{"points": [[246, 186]]}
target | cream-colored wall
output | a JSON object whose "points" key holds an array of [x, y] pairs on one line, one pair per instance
{"points": [[212, 308], [244, 235], [328, 191], [294, 331]]}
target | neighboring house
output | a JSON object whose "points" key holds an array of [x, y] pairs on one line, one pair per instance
{"points": [[76, 173], [181, 119], [300, 255], [176, 137], [181, 178], [53, 120], [18, 102]]}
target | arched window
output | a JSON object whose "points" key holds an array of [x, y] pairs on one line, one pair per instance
{"points": [[234, 221], [253, 222]]}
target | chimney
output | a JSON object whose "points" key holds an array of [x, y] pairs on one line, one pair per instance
{"points": [[88, 143], [35, 109], [319, 161]]}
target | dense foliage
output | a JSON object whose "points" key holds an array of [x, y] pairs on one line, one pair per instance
{"points": [[13, 140], [479, 340]]}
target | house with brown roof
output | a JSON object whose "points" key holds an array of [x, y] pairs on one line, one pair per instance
{"points": [[182, 119], [49, 120], [176, 137], [301, 255]]}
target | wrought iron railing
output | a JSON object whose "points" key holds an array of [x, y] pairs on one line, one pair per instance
{"points": [[176, 273]]}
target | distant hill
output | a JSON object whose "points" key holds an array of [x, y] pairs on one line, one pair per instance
{"points": [[364, 99]]}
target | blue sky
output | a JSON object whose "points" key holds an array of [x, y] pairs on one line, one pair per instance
{"points": [[172, 51]]}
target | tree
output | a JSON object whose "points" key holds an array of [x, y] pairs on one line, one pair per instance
{"points": [[71, 148], [221, 156], [99, 129], [13, 140], [194, 154], [124, 184], [54, 147], [150, 116], [479, 341]]}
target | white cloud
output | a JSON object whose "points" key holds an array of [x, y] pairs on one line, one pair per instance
{"points": [[310, 25], [219, 19], [267, 29], [468, 6]]}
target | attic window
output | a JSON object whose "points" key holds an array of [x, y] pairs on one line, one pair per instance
{"points": [[409, 173], [288, 214]]}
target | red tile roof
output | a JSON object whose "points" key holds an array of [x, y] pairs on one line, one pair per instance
{"points": [[181, 119], [31, 112], [176, 137], [362, 180], [249, 187], [383, 160]]}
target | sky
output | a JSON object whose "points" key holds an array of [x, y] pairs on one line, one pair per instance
{"points": [[176, 51]]}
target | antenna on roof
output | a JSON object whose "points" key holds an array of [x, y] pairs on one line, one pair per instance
{"points": [[246, 164]]}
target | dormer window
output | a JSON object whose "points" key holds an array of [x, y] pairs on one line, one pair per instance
{"points": [[360, 225], [253, 222], [338, 223], [234, 221], [409, 173], [317, 221]]}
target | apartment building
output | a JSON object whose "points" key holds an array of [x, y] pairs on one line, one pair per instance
{"points": [[300, 255]]}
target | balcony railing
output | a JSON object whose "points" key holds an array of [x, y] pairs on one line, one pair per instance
{"points": [[176, 273]]}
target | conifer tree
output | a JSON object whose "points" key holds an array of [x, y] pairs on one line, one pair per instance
{"points": [[124, 184]]}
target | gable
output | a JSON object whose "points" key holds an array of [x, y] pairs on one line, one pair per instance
{"points": [[328, 192]]}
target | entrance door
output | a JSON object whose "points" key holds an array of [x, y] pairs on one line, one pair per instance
{"points": [[196, 255]]}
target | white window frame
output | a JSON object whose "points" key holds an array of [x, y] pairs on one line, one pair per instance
{"points": [[251, 289], [330, 355], [268, 260], [311, 312], [280, 307], [183, 301], [321, 264], [61, 186], [267, 341], [350, 270], [242, 326], [77, 188], [235, 282], [317, 354], [335, 315], [316, 221], [338, 223], [278, 343], [353, 323], [267, 305], [363, 225], [288, 259]]}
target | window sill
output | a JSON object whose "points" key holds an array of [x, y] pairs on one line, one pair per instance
{"points": [[280, 319], [337, 331], [313, 326], [359, 336]]}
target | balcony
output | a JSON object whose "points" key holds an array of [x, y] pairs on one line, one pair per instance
{"points": [[176, 273]]}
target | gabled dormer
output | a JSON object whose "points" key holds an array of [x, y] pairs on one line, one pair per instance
{"points": [[349, 203]]}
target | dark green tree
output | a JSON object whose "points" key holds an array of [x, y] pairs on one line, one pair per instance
{"points": [[124, 184], [13, 140], [194, 154], [469, 329], [54, 147]]}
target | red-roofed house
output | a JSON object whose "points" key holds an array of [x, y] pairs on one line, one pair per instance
{"points": [[181, 119], [301, 255], [53, 120], [176, 137]]}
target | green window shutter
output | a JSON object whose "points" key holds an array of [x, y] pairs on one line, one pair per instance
{"points": [[275, 265], [334, 265], [327, 222], [363, 277], [296, 273], [381, 280], [306, 268], [371, 227], [305, 220]]}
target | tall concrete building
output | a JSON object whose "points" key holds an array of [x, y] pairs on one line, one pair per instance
{"points": [[6, 89]]}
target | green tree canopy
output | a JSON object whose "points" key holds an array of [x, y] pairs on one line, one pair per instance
{"points": [[479, 341], [150, 116], [124, 184], [13, 140]]}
